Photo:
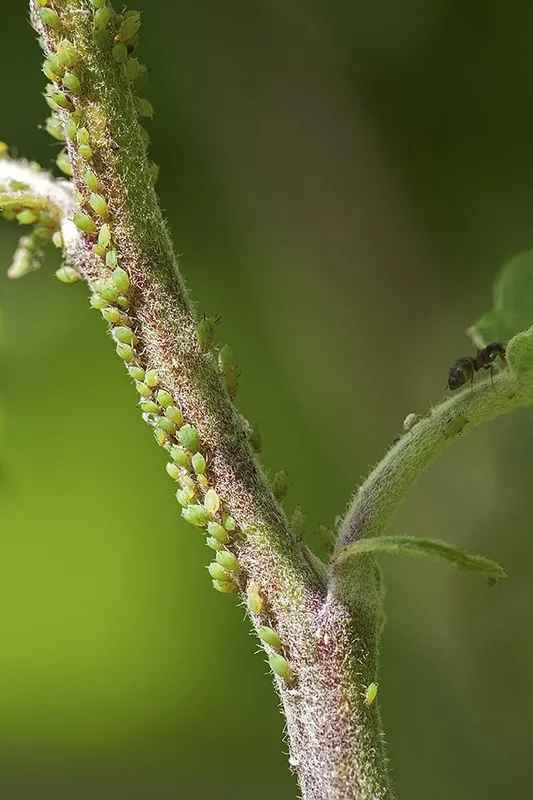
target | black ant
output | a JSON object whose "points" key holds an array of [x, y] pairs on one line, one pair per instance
{"points": [[463, 369]]}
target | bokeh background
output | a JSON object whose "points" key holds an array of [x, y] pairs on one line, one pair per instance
{"points": [[343, 180]]}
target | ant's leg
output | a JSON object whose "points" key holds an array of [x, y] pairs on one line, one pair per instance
{"points": [[472, 382]]}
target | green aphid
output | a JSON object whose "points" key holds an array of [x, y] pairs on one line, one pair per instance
{"points": [[255, 599], [63, 162], [149, 407], [231, 381], [123, 334], [298, 523], [55, 129], [254, 437], [142, 77], [189, 438], [111, 259], [43, 233], [136, 373], [198, 463], [152, 378], [27, 217], [48, 70], [104, 239], [120, 53], [217, 531], [133, 67], [371, 693], [143, 389], [98, 3], [270, 637], [229, 524], [57, 240], [228, 561], [106, 290], [182, 497], [98, 250], [121, 280], [180, 456], [164, 398], [225, 587], [145, 136], [67, 275], [202, 480], [50, 17], [84, 222], [82, 136], [111, 315], [212, 501], [92, 183], [129, 26], [226, 358], [72, 82], [154, 172], [196, 515], [280, 484], [41, 3], [123, 302], [60, 98], [161, 437], [102, 15], [166, 425], [66, 54], [172, 470], [144, 107], [99, 206], [280, 666], [97, 302], [85, 152], [55, 65], [71, 129], [206, 332], [125, 352], [213, 543], [217, 572], [174, 415], [102, 38]]}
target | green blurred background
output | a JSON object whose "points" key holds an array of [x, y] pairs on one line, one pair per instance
{"points": [[343, 180]]}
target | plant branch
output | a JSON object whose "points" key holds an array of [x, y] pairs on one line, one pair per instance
{"points": [[322, 654], [378, 498]]}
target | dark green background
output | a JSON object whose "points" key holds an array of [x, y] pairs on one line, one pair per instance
{"points": [[343, 180]]}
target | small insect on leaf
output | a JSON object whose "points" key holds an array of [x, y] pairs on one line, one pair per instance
{"points": [[371, 693]]}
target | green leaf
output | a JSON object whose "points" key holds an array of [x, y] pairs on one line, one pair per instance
{"points": [[424, 548], [513, 303]]}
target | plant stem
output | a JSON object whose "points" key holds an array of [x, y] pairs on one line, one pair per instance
{"points": [[379, 496], [335, 739]]}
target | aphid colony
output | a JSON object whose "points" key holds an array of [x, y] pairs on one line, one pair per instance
{"points": [[188, 467]]}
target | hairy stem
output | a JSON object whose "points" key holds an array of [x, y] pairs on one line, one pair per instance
{"points": [[323, 654], [379, 496]]}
